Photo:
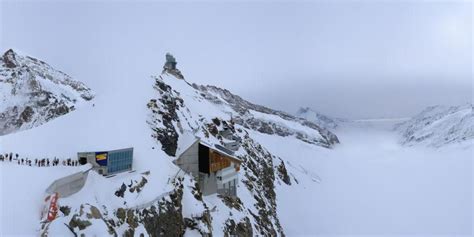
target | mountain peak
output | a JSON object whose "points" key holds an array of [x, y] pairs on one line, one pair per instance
{"points": [[32, 92], [9, 58]]}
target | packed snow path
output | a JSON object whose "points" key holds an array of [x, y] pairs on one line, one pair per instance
{"points": [[372, 185]]}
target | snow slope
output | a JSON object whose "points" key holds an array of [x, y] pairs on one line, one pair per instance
{"points": [[371, 185], [439, 125], [111, 121], [290, 182], [32, 92], [176, 112], [21, 196]]}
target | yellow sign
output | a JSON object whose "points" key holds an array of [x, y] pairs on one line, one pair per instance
{"points": [[102, 156]]}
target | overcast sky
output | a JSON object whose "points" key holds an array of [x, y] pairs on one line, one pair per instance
{"points": [[357, 59]]}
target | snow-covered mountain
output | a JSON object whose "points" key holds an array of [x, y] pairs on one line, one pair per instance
{"points": [[317, 118], [294, 179], [269, 121], [159, 121], [32, 92], [439, 125]]}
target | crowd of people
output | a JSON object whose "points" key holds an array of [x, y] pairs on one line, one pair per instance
{"points": [[44, 162]]}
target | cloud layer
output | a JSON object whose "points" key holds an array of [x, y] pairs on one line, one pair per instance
{"points": [[353, 59]]}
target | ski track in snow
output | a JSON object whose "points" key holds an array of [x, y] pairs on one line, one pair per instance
{"points": [[371, 185]]}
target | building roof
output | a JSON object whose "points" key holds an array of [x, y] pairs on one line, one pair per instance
{"points": [[215, 147], [222, 150], [66, 186], [110, 151]]}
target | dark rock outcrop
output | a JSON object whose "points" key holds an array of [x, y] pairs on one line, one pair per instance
{"points": [[9, 59], [241, 229], [283, 173], [163, 125]]}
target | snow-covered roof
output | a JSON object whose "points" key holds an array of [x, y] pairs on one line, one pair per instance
{"points": [[109, 151], [216, 147], [222, 150]]}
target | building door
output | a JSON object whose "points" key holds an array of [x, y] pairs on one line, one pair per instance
{"points": [[83, 160]]}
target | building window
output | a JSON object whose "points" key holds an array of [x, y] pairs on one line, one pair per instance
{"points": [[120, 161]]}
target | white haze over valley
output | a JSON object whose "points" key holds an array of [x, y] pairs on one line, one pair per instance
{"points": [[371, 185], [370, 66]]}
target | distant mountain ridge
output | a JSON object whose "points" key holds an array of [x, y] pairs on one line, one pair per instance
{"points": [[32, 92], [439, 125], [269, 121], [317, 118]]}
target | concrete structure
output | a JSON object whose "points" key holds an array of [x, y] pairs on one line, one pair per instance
{"points": [[213, 166], [108, 162], [68, 185]]}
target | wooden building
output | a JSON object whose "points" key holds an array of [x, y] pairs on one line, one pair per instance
{"points": [[214, 167]]}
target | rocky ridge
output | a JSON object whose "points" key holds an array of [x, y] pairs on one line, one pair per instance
{"points": [[320, 119], [32, 92], [178, 112], [439, 126]]}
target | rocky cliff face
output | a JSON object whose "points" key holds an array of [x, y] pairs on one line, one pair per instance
{"points": [[217, 116], [172, 119], [439, 125], [32, 92]]}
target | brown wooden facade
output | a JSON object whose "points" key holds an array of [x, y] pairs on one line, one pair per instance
{"points": [[218, 161]]}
